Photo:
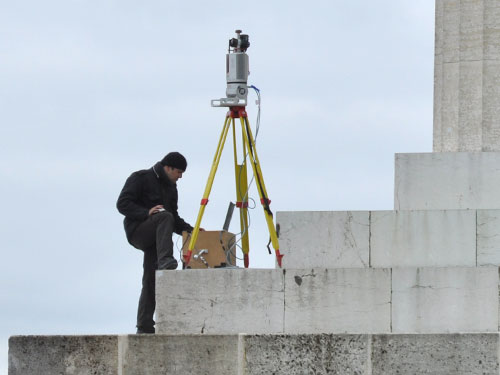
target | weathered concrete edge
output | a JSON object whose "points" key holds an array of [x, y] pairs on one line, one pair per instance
{"points": [[273, 350], [300, 320]]}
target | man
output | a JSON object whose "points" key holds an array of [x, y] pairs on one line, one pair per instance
{"points": [[149, 202]]}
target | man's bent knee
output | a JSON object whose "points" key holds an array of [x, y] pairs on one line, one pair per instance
{"points": [[162, 216]]}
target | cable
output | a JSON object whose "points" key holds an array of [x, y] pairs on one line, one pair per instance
{"points": [[257, 123], [181, 249]]}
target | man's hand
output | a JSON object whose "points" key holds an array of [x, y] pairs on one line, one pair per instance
{"points": [[156, 209]]}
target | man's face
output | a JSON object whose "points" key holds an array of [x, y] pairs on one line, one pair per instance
{"points": [[173, 174]]}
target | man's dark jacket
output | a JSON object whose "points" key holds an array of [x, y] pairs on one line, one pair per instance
{"points": [[143, 190]]}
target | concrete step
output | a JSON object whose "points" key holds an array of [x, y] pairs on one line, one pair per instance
{"points": [[378, 354], [427, 238], [447, 180], [319, 300]]}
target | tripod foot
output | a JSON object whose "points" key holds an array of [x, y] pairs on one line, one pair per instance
{"points": [[246, 260], [187, 257], [278, 257]]}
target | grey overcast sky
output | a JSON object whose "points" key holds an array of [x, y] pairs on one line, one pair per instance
{"points": [[91, 91]]}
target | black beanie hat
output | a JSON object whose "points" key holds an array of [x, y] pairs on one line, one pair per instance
{"points": [[175, 160]]}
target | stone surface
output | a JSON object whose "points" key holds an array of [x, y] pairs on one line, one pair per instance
{"points": [[220, 301], [353, 300], [488, 237], [366, 354], [306, 354], [423, 238], [324, 239], [436, 300], [457, 354], [179, 355], [467, 76], [440, 181], [318, 300], [78, 355]]}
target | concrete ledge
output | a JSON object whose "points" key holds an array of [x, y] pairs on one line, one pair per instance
{"points": [[450, 180], [385, 239], [220, 301], [318, 300], [458, 354]]}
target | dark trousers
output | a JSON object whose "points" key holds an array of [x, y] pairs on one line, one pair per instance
{"points": [[154, 238]]}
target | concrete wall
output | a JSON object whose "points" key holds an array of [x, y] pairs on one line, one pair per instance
{"points": [[318, 300], [467, 354], [454, 180], [467, 76], [385, 239]]}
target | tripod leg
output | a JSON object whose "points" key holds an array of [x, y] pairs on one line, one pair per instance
{"points": [[240, 172], [254, 161], [208, 188]]}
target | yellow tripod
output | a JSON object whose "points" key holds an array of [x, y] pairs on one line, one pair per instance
{"points": [[241, 181]]}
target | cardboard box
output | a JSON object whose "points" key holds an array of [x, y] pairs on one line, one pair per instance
{"points": [[215, 247]]}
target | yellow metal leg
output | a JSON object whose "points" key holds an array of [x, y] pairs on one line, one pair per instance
{"points": [[254, 161], [208, 188], [240, 172]]}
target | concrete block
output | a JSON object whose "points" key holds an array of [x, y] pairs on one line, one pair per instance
{"points": [[221, 301], [306, 354], [78, 355], [423, 238], [440, 181], [488, 237], [457, 354], [353, 300], [467, 70], [324, 239], [179, 354], [437, 300]]}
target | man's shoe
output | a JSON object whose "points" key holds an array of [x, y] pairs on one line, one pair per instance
{"points": [[145, 330], [170, 264]]}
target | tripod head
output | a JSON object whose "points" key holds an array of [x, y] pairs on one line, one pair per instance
{"points": [[237, 71]]}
